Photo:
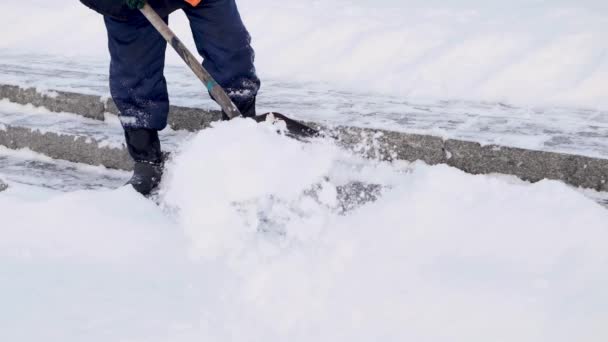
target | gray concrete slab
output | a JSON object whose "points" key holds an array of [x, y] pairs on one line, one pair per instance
{"points": [[472, 157], [528, 165], [72, 148], [57, 101]]}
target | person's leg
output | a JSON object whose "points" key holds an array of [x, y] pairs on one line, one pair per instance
{"points": [[225, 44], [139, 89], [137, 82]]}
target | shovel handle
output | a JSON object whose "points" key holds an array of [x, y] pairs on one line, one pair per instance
{"points": [[217, 92]]}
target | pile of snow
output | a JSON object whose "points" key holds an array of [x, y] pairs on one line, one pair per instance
{"points": [[248, 244], [523, 52]]}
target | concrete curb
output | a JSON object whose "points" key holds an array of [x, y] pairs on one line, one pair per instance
{"points": [[56, 101], [468, 156], [72, 148], [528, 165], [474, 158], [94, 107]]}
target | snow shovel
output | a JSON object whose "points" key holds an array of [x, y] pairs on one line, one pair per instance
{"points": [[294, 128]]}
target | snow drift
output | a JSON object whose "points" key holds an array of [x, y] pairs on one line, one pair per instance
{"points": [[523, 52], [249, 244]]}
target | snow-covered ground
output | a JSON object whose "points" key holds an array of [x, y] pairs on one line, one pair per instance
{"points": [[247, 244], [248, 241]]}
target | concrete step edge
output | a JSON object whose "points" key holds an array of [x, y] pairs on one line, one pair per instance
{"points": [[94, 107], [74, 148]]}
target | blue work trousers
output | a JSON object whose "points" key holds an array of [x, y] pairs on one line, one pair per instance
{"points": [[137, 51]]}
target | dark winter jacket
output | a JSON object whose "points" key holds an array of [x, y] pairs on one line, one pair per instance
{"points": [[119, 10]]}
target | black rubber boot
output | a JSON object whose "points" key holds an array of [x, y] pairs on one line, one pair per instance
{"points": [[144, 147], [146, 177]]}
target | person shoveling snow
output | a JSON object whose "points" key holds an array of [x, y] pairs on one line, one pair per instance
{"points": [[137, 42]]}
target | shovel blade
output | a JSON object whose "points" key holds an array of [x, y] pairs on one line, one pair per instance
{"points": [[294, 128]]}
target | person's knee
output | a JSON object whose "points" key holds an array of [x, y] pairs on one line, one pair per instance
{"points": [[142, 102]]}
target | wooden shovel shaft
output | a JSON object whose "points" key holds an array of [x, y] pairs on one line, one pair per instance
{"points": [[217, 92]]}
